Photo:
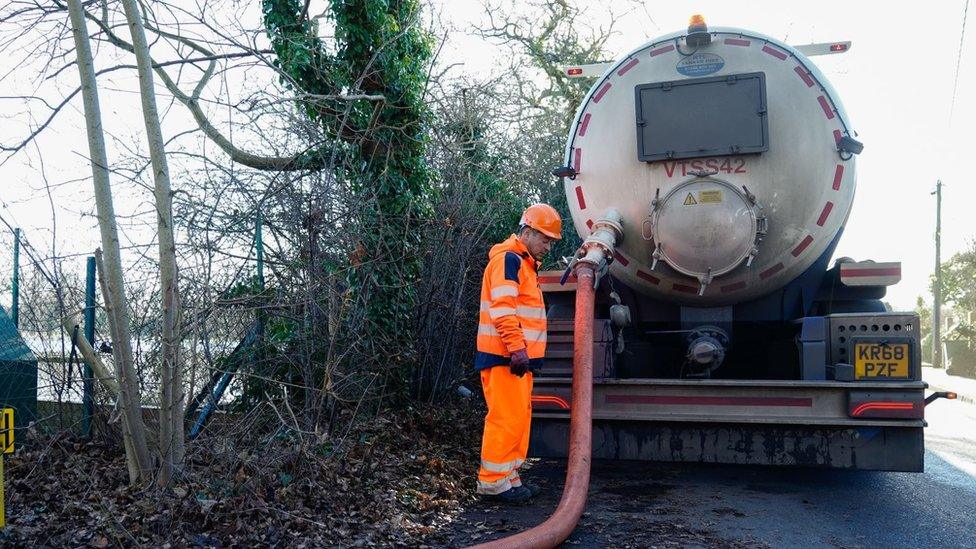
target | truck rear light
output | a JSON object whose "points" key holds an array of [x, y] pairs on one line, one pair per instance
{"points": [[867, 407], [885, 406], [551, 400], [574, 71], [842, 46], [948, 395]]}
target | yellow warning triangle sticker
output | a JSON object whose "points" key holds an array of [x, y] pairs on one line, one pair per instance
{"points": [[690, 200]]}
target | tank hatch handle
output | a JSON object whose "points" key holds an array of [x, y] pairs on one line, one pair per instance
{"points": [[751, 197], [704, 281]]}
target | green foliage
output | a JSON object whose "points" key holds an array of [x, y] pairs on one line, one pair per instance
{"points": [[482, 168], [962, 330], [959, 280], [384, 52], [250, 286], [298, 51]]}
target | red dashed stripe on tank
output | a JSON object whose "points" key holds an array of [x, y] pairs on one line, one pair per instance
{"points": [[589, 224], [824, 213], [838, 176], [579, 197], [648, 277], [603, 91], [684, 288], [733, 287], [771, 271], [774, 52], [829, 112], [630, 64], [802, 246], [623, 260], [659, 51], [577, 157], [837, 136], [737, 42], [584, 124], [802, 73]]}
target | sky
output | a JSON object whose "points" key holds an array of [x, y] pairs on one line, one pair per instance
{"points": [[896, 84]]}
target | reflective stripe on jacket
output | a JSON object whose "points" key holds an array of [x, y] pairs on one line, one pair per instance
{"points": [[513, 315]]}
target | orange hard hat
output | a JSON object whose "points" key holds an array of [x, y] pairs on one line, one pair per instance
{"points": [[543, 218]]}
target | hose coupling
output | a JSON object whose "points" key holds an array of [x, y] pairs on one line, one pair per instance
{"points": [[598, 248]]}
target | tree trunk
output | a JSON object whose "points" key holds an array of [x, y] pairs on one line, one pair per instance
{"points": [[171, 404], [133, 428], [99, 369], [128, 380]]}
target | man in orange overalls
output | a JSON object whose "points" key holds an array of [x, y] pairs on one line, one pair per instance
{"points": [[511, 344]]}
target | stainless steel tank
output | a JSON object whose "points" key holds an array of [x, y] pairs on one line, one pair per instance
{"points": [[707, 226]]}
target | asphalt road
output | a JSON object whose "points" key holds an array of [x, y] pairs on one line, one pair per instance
{"points": [[649, 504]]}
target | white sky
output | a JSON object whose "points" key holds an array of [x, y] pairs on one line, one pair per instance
{"points": [[896, 84]]}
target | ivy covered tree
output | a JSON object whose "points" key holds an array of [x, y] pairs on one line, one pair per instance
{"points": [[366, 90]]}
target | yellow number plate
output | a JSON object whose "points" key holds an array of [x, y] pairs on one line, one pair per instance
{"points": [[875, 360]]}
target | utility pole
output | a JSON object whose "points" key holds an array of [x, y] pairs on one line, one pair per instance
{"points": [[15, 306], [937, 303]]}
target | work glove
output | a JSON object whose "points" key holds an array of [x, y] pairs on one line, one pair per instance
{"points": [[519, 363]]}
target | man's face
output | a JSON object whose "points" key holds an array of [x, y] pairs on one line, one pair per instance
{"points": [[537, 243]]}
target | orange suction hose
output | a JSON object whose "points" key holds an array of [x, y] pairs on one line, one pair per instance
{"points": [[560, 525]]}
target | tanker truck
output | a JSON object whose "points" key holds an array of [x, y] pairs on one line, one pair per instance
{"points": [[723, 332]]}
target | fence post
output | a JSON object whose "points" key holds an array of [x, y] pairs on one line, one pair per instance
{"points": [[88, 398], [15, 306]]}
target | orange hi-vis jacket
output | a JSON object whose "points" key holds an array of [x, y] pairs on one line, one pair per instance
{"points": [[513, 315]]}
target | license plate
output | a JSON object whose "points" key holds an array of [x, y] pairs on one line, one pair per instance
{"points": [[881, 360]]}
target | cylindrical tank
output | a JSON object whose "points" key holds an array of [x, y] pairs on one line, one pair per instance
{"points": [[707, 226]]}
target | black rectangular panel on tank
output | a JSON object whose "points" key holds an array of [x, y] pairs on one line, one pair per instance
{"points": [[717, 115]]}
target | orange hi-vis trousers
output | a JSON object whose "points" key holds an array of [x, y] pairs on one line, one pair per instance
{"points": [[505, 442]]}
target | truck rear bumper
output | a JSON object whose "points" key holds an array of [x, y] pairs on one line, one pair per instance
{"points": [[846, 425], [866, 448]]}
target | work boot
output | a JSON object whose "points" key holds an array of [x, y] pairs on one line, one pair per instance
{"points": [[533, 489], [512, 496]]}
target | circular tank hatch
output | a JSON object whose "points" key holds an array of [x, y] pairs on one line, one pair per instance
{"points": [[705, 228]]}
